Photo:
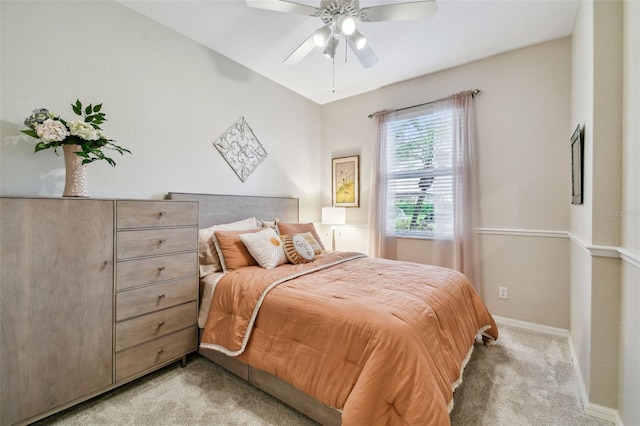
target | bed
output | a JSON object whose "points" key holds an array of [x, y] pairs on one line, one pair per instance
{"points": [[344, 338]]}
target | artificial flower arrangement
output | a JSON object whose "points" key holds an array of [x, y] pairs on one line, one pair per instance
{"points": [[53, 132]]}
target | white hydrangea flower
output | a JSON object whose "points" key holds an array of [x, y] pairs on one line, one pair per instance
{"points": [[84, 130], [52, 131]]}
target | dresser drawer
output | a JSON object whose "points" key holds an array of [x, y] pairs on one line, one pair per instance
{"points": [[152, 242], [148, 355], [150, 214], [147, 327], [142, 300], [131, 273]]}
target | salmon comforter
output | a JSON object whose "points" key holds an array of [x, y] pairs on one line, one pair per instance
{"points": [[384, 341]]}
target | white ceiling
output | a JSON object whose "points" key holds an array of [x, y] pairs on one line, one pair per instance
{"points": [[460, 32]]}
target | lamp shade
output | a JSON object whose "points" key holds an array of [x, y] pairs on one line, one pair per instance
{"points": [[321, 36], [330, 49], [334, 215], [358, 39]]}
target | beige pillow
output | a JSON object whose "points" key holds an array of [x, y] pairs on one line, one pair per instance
{"points": [[208, 258], [298, 249], [266, 247], [285, 228]]}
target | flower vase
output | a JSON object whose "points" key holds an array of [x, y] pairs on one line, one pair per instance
{"points": [[75, 184]]}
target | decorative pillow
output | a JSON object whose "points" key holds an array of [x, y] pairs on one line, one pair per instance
{"points": [[266, 247], [208, 258], [233, 253], [297, 248], [299, 228]]}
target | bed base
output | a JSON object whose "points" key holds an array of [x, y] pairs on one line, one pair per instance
{"points": [[277, 388]]}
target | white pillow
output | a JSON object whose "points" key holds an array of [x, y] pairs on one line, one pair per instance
{"points": [[208, 258], [266, 247]]}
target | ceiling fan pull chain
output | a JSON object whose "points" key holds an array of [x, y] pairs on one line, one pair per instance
{"points": [[345, 48], [333, 74]]}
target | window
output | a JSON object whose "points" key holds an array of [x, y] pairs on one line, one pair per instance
{"points": [[420, 174]]}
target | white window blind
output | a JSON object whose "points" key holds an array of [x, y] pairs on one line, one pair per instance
{"points": [[419, 174]]}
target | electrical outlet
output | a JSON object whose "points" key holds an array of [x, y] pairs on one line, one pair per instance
{"points": [[502, 293]]}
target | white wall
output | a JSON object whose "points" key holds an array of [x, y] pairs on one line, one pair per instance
{"points": [[166, 98], [523, 136]]}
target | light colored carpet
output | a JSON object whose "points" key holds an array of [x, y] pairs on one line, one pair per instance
{"points": [[526, 378]]}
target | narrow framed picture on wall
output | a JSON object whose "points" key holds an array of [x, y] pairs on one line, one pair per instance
{"points": [[345, 181], [577, 165]]}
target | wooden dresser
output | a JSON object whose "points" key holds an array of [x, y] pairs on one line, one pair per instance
{"points": [[93, 294], [156, 284]]}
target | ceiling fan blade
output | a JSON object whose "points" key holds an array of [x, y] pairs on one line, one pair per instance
{"points": [[301, 51], [365, 55], [284, 6], [399, 11]]}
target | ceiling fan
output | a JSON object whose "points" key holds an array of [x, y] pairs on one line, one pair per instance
{"points": [[339, 18]]}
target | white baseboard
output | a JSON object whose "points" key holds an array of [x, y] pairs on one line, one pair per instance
{"points": [[532, 326], [591, 409], [604, 413]]}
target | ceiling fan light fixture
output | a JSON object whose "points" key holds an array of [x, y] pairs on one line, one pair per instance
{"points": [[322, 35], [330, 49], [346, 24], [358, 39]]}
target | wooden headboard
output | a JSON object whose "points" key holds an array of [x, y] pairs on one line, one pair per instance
{"points": [[215, 209]]}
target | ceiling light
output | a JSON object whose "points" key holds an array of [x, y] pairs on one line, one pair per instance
{"points": [[321, 36], [330, 50], [358, 39], [346, 24]]}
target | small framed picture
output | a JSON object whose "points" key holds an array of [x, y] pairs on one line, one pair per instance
{"points": [[345, 178], [577, 165]]}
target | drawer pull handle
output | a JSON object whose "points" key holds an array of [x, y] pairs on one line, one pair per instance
{"points": [[161, 241], [160, 296], [160, 350], [162, 214], [160, 324], [160, 269]]}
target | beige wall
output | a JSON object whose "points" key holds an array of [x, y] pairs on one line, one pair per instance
{"points": [[629, 368], [605, 255], [166, 97], [523, 137], [580, 227]]}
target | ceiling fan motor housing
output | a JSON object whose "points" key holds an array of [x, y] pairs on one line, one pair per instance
{"points": [[330, 8]]}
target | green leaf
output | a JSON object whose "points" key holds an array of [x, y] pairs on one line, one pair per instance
{"points": [[97, 108], [88, 109], [40, 146], [77, 109], [31, 133]]}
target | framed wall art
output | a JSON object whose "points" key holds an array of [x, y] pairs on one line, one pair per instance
{"points": [[345, 181], [241, 149], [577, 165]]}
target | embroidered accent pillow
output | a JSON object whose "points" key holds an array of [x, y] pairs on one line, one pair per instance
{"points": [[266, 247], [297, 248], [285, 228]]}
